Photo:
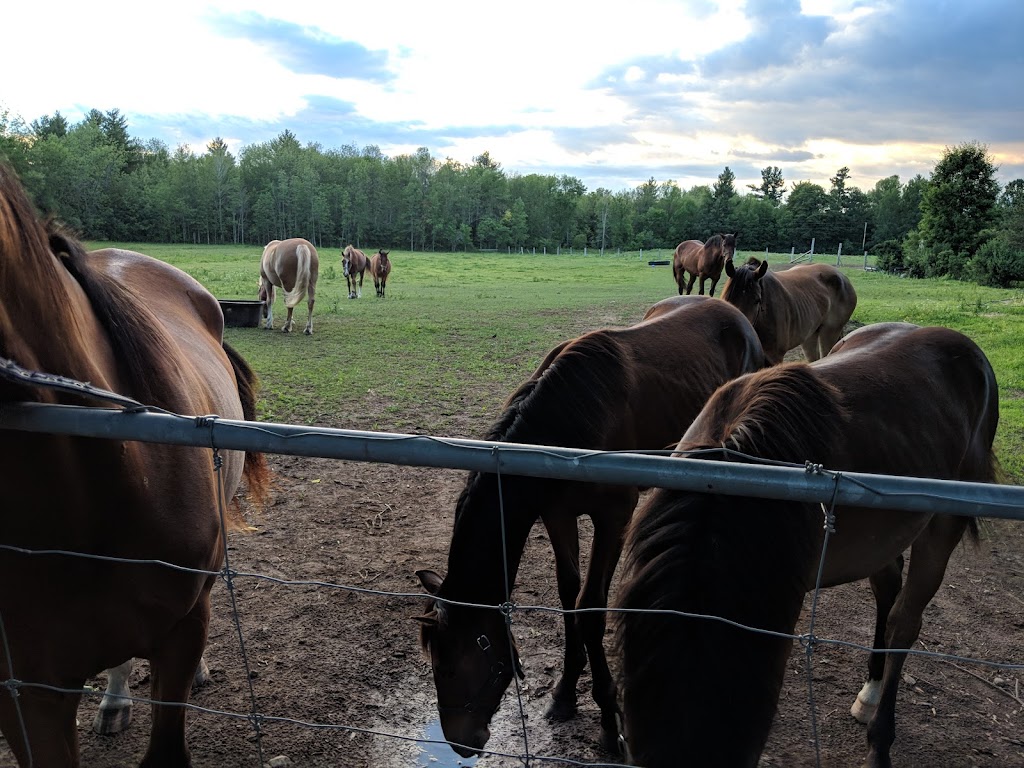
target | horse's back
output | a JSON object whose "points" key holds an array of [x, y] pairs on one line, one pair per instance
{"points": [[292, 265]]}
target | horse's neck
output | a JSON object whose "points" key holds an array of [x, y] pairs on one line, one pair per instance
{"points": [[488, 535]]}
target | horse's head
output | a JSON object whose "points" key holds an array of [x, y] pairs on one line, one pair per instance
{"points": [[473, 659], [384, 263], [745, 288], [728, 246], [346, 264]]}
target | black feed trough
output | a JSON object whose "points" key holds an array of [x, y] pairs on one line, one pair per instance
{"points": [[241, 313], [659, 263]]}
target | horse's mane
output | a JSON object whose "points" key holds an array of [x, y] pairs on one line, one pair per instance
{"points": [[715, 241], [718, 555], [564, 403], [141, 346]]}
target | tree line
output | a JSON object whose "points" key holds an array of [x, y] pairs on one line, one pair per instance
{"points": [[108, 185]]}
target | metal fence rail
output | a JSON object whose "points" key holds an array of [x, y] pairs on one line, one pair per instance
{"points": [[812, 483]]}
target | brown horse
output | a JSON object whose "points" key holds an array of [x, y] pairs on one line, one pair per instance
{"points": [[632, 388], [891, 398], [293, 266], [380, 268], [139, 327], [807, 305], [353, 264], [703, 260]]}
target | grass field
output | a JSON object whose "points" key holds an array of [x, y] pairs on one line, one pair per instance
{"points": [[460, 331]]}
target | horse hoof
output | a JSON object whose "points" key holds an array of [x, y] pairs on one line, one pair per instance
{"points": [[613, 743], [202, 675], [308, 331], [112, 720], [862, 712], [560, 711]]}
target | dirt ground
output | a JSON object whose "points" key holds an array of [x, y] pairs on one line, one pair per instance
{"points": [[339, 680]]}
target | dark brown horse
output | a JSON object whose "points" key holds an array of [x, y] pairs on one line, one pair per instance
{"points": [[139, 327], [293, 266], [890, 399], [380, 268], [807, 305], [703, 260], [632, 388], [353, 265]]}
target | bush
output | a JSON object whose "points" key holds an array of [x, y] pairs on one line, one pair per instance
{"points": [[889, 256], [998, 264]]}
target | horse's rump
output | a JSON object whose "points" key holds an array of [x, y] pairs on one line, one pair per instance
{"points": [[292, 265]]}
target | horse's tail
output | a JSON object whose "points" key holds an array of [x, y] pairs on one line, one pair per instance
{"points": [[303, 275], [256, 471]]}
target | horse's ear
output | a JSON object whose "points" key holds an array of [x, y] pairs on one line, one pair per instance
{"points": [[762, 270], [428, 620], [430, 580], [730, 268]]}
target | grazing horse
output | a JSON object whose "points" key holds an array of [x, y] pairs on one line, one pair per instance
{"points": [[136, 326], [703, 260], [807, 305], [293, 266], [625, 389], [891, 398], [380, 268], [353, 263]]}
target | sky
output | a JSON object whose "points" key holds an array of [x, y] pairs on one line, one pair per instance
{"points": [[613, 94]]}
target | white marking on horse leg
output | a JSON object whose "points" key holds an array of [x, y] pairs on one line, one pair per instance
{"points": [[202, 676], [115, 713], [864, 706]]}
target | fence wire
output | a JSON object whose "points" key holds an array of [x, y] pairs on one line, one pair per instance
{"points": [[1006, 506]]}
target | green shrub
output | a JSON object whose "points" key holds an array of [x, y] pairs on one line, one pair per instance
{"points": [[998, 264], [889, 256]]}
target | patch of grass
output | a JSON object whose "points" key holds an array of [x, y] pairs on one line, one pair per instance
{"points": [[458, 332]]}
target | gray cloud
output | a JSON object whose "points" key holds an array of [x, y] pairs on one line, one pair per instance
{"points": [[305, 50]]}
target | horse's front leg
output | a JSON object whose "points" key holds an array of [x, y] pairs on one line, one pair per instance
{"points": [[172, 671], [359, 289], [714, 282], [606, 547], [885, 585], [565, 542], [48, 720], [115, 712]]}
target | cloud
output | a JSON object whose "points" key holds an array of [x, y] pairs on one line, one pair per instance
{"points": [[303, 49]]}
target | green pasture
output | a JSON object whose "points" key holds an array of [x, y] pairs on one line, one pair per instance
{"points": [[457, 332]]}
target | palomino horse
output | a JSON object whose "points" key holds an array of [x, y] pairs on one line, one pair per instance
{"points": [[889, 399], [807, 305], [380, 268], [141, 328], [703, 260], [293, 266], [625, 389], [353, 264]]}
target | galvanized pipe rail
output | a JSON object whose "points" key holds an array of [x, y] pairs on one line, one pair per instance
{"points": [[810, 484]]}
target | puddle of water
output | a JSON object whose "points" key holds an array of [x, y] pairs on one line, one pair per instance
{"points": [[440, 755]]}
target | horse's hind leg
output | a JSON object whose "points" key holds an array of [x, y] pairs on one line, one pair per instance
{"points": [[928, 558], [359, 288], [689, 285], [886, 586], [564, 534], [605, 550], [309, 318], [288, 323]]}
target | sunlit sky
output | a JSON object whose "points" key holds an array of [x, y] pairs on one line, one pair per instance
{"points": [[613, 94]]}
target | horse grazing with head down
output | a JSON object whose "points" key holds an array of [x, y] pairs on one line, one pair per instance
{"points": [[138, 327], [380, 268], [353, 265], [625, 389], [702, 260], [807, 305], [891, 399], [293, 266]]}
